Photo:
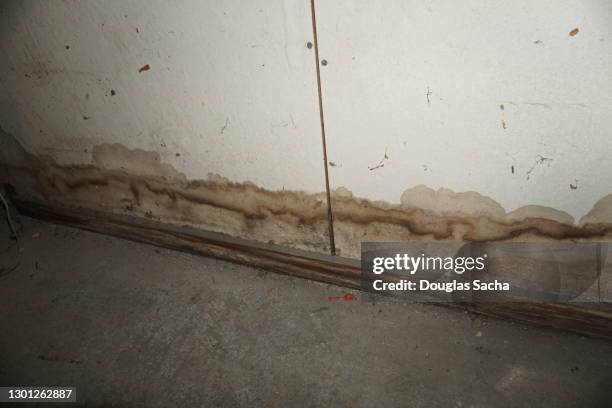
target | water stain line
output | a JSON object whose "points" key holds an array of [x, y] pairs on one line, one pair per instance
{"points": [[330, 216]]}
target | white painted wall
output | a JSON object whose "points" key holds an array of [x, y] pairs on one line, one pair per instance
{"points": [[473, 56], [231, 87], [414, 85]]}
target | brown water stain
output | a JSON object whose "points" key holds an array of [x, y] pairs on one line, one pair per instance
{"points": [[428, 215], [137, 181]]}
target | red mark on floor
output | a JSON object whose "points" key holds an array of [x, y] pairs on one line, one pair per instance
{"points": [[348, 296]]}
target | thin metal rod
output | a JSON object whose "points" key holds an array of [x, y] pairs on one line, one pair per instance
{"points": [[330, 214]]}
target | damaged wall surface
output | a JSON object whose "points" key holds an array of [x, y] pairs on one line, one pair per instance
{"points": [[484, 122], [111, 94]]}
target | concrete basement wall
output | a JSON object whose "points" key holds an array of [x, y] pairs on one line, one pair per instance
{"points": [[511, 100], [198, 112], [485, 120]]}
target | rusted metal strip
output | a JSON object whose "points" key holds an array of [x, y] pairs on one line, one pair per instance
{"points": [[330, 214]]}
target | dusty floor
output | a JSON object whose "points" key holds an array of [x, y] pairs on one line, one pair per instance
{"points": [[134, 325]]}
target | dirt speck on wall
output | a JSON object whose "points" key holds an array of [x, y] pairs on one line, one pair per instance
{"points": [[138, 182]]}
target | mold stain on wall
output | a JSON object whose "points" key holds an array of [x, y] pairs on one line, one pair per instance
{"points": [[425, 214], [138, 182]]}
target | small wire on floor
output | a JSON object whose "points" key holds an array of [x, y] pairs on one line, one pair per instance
{"points": [[4, 271], [8, 217]]}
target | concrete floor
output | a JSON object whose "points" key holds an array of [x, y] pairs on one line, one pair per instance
{"points": [[134, 325]]}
